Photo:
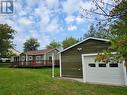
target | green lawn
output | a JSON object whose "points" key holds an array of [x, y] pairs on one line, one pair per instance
{"points": [[39, 82]]}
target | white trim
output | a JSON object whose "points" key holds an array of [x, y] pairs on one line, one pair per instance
{"points": [[44, 58], [84, 41], [38, 57], [23, 58], [83, 69], [83, 64], [26, 59], [93, 54], [60, 65], [125, 73], [53, 65], [51, 51], [30, 58]]}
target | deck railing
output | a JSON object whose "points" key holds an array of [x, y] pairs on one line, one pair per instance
{"points": [[35, 63]]}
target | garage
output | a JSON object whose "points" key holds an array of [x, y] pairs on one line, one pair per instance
{"points": [[78, 61], [102, 73]]}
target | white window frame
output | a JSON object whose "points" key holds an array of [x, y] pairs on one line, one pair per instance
{"points": [[30, 57], [38, 57], [23, 58]]}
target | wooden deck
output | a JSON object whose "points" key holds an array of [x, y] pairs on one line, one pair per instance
{"points": [[34, 64]]}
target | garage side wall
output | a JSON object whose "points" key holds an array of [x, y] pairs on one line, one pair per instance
{"points": [[71, 60]]}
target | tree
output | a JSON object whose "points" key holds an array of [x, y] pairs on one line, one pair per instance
{"points": [[118, 29], [102, 8], [98, 31], [102, 29], [119, 10], [119, 41], [91, 32], [31, 44], [53, 44], [6, 37], [68, 42], [117, 13]]}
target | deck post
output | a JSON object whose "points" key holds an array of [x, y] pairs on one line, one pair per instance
{"points": [[45, 58], [26, 59], [19, 59], [52, 65]]}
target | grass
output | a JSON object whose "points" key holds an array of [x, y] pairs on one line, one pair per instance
{"points": [[4, 65], [39, 82]]}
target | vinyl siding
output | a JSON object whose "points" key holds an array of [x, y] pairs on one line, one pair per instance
{"points": [[71, 61]]}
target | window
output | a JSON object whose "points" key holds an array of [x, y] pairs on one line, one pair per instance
{"points": [[102, 65], [50, 58], [38, 57], [30, 57], [23, 58], [113, 65], [92, 65]]}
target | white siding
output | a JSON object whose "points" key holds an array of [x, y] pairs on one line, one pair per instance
{"points": [[104, 75]]}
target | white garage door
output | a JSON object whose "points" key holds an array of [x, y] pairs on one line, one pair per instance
{"points": [[102, 73]]}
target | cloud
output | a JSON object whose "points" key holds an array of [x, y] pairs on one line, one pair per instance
{"points": [[70, 19], [53, 27], [44, 19], [24, 21], [44, 14], [77, 19], [52, 4], [71, 6], [72, 28], [32, 3]]}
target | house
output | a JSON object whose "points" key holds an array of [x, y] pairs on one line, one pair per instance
{"points": [[78, 61], [37, 58], [10, 59], [15, 53]]}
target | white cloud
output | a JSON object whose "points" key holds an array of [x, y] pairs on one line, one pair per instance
{"points": [[32, 3], [72, 28], [44, 15], [86, 5], [70, 19], [53, 27], [79, 19], [24, 21], [71, 6], [52, 4]]}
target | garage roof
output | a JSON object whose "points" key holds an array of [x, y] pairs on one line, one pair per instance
{"points": [[100, 39]]}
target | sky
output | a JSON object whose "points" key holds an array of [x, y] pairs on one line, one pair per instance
{"points": [[48, 20]]}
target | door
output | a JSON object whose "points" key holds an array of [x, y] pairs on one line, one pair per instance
{"points": [[97, 72]]}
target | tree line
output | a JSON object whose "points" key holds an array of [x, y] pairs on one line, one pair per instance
{"points": [[33, 44]]}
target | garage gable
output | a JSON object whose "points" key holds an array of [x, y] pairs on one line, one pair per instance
{"points": [[92, 38]]}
